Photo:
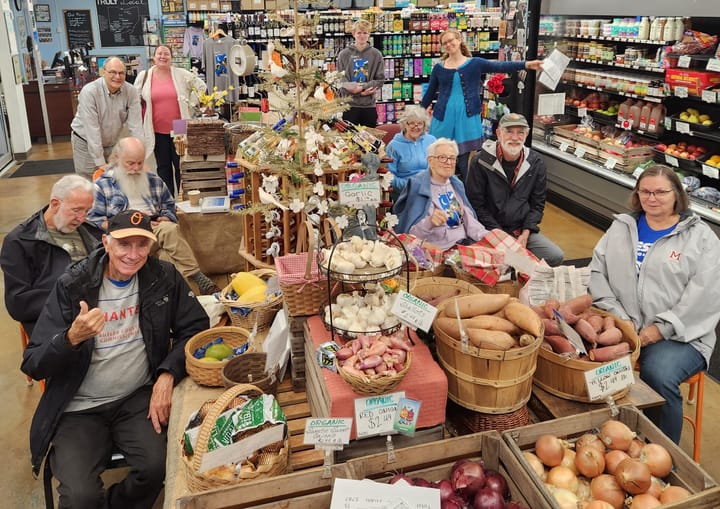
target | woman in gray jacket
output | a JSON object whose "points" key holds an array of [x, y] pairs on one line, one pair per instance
{"points": [[658, 267]]}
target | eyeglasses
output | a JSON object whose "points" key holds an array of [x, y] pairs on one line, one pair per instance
{"points": [[445, 159], [416, 124], [115, 73], [660, 194]]}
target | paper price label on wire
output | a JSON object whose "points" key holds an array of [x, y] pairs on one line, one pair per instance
{"points": [[330, 431], [681, 92], [359, 194], [668, 123], [579, 152], [684, 61], [609, 378], [610, 163], [682, 127], [564, 146], [711, 172], [582, 112], [413, 311], [672, 161], [376, 415], [638, 171], [709, 96]]}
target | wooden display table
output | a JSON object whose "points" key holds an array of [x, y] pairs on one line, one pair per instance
{"points": [[548, 406]]}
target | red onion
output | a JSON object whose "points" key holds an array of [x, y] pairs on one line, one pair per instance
{"points": [[454, 502], [446, 489], [496, 482], [467, 477], [485, 498], [514, 505], [401, 477], [423, 483]]}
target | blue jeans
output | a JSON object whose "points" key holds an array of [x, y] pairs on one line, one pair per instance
{"points": [[545, 249], [664, 366]]}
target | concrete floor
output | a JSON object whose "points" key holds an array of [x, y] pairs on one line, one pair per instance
{"points": [[20, 197]]}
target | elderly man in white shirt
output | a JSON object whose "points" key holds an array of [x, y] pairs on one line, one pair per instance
{"points": [[105, 107]]}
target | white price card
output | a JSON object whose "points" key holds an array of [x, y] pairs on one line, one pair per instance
{"points": [[564, 146], [376, 415], [709, 96], [327, 431], [579, 151], [713, 65], [367, 494], [359, 194], [710, 171], [682, 127], [609, 378], [413, 311], [672, 161], [681, 92], [610, 163], [582, 112], [668, 123], [684, 61]]}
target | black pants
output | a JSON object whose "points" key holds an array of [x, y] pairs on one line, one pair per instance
{"points": [[82, 446], [361, 116], [168, 162], [461, 166]]}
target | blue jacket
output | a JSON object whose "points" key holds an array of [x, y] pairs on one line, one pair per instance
{"points": [[471, 79], [415, 200], [409, 158]]}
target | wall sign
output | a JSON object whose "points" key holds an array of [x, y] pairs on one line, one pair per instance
{"points": [[122, 22], [42, 13], [78, 27]]}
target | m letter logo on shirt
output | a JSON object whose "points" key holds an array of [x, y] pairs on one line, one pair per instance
{"points": [[674, 256]]}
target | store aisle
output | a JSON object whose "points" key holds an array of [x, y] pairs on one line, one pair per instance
{"points": [[21, 197]]}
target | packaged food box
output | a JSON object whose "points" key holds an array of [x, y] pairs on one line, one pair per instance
{"points": [[695, 81]]}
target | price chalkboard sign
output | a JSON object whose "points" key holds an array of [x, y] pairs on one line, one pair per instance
{"points": [[78, 27], [121, 22]]}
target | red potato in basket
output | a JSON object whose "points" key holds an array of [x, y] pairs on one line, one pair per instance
{"points": [[609, 353], [611, 336], [561, 345]]}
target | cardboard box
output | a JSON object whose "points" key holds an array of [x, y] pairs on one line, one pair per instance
{"points": [[252, 5], [686, 472], [695, 81]]}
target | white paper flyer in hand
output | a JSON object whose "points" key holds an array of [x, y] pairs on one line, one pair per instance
{"points": [[553, 69]]}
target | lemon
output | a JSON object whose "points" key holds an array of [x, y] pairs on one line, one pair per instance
{"points": [[244, 281], [209, 359], [219, 351]]}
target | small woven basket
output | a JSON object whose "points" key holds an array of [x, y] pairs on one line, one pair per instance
{"points": [[268, 465], [247, 315], [210, 373], [441, 288], [478, 421], [249, 368], [377, 386], [512, 288]]}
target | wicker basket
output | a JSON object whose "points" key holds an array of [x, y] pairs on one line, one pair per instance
{"points": [[269, 464], [210, 373], [565, 377], [247, 315], [476, 422], [487, 381], [381, 385], [512, 288], [441, 288], [249, 368]]}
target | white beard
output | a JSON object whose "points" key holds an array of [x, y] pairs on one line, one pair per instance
{"points": [[136, 187], [511, 153]]}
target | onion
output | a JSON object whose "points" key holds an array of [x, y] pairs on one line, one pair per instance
{"points": [[613, 459], [673, 494], [644, 501], [535, 464], [657, 458], [635, 447], [423, 483], [496, 482], [485, 498], [591, 440], [565, 499], [514, 505], [589, 461], [569, 460], [583, 491], [549, 449], [616, 435], [446, 489], [633, 476], [467, 477], [401, 477], [606, 488], [656, 487], [562, 477], [454, 502], [599, 504]]}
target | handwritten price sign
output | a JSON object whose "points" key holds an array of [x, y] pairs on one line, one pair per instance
{"points": [[376, 415], [413, 311], [359, 194], [609, 378], [330, 431]]}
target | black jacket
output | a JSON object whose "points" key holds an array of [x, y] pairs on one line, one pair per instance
{"points": [[31, 264], [169, 316], [496, 204]]}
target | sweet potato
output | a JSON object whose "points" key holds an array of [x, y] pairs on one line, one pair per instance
{"points": [[608, 322], [525, 318], [560, 344], [489, 322], [491, 339], [449, 326], [609, 353], [586, 330], [476, 304], [579, 304], [567, 314], [596, 321], [540, 311], [550, 305], [611, 336], [434, 301], [527, 339], [552, 328]]}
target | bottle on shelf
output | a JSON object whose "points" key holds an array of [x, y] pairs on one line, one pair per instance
{"points": [[644, 29], [679, 29], [656, 122], [633, 116], [623, 111], [669, 30], [645, 116]]}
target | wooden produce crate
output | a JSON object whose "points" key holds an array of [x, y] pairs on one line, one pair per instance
{"points": [[686, 472], [203, 173], [434, 462], [205, 137]]}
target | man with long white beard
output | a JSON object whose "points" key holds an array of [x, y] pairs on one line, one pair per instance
{"points": [[127, 185], [507, 184]]}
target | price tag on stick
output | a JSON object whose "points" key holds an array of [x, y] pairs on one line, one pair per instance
{"points": [[413, 311], [375, 415], [609, 378]]}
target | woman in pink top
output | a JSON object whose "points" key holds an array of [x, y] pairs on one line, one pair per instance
{"points": [[169, 93]]}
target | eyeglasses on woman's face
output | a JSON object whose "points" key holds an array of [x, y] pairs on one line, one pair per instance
{"points": [[659, 194], [445, 159]]}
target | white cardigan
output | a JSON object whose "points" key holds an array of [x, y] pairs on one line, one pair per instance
{"points": [[184, 82]]}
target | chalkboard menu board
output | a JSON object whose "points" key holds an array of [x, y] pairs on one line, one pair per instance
{"points": [[78, 28], [122, 23]]}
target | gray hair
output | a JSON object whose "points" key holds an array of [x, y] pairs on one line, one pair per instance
{"points": [[413, 112], [111, 59], [121, 146], [442, 141], [63, 187]]}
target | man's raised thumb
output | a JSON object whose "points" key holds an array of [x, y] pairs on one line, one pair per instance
{"points": [[83, 307]]}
